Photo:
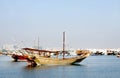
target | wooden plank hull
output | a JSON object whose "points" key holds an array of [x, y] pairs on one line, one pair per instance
{"points": [[19, 57], [38, 60], [54, 61]]}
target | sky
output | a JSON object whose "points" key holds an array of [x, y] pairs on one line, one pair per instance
{"points": [[87, 23]]}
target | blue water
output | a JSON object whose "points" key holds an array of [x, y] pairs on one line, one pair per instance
{"points": [[91, 67]]}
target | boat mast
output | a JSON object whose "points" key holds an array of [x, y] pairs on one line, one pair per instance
{"points": [[63, 44]]}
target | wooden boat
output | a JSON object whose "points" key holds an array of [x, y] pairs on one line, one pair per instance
{"points": [[18, 57], [1, 53], [118, 55], [79, 52], [44, 57]]}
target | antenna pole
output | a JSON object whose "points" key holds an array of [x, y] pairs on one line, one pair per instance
{"points": [[63, 44]]}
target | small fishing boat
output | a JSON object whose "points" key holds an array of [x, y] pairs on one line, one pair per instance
{"points": [[44, 57], [1, 53], [118, 55], [79, 52], [18, 57]]}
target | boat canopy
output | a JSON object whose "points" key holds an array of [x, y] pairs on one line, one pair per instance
{"points": [[31, 49]]}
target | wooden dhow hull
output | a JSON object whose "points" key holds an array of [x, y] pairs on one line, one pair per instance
{"points": [[19, 57], [38, 60]]}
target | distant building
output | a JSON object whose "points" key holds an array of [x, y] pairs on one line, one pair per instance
{"points": [[9, 47], [105, 51]]}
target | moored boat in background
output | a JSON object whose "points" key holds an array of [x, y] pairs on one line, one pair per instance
{"points": [[18, 57], [1, 53], [118, 55]]}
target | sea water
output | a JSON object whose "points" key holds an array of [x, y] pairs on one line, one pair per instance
{"points": [[91, 67]]}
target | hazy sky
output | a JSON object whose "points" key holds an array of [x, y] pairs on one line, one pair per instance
{"points": [[88, 23]]}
